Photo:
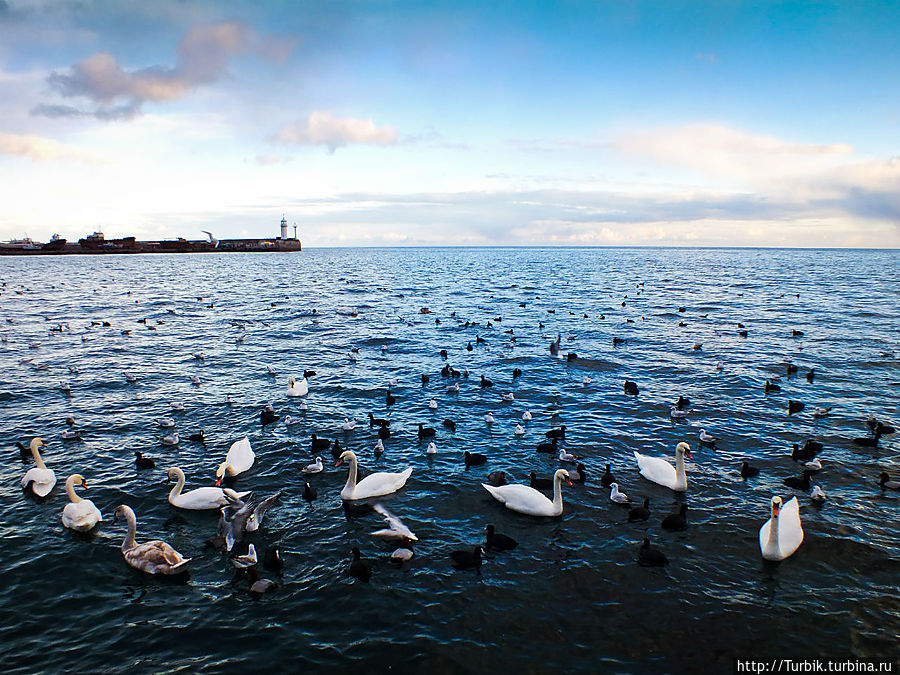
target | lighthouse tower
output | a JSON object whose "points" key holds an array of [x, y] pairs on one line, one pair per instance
{"points": [[283, 227]]}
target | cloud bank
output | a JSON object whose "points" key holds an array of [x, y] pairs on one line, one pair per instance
{"points": [[37, 148]]}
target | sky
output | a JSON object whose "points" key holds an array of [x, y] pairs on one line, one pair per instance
{"points": [[620, 122]]}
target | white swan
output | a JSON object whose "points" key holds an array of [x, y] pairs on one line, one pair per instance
{"points": [[374, 485], [41, 479], [659, 471], [296, 389], [525, 499], [79, 514], [152, 557], [782, 534], [240, 457], [199, 499]]}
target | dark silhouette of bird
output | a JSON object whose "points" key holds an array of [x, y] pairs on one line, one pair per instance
{"points": [[474, 459], [557, 433], [748, 471], [450, 424], [443, 353], [886, 483], [486, 382], [517, 372], [467, 560], [425, 379], [319, 444], [309, 493], [426, 432], [631, 388], [267, 416], [791, 369], [676, 521], [352, 510], [380, 421], [390, 399], [469, 347], [579, 475], [273, 559], [359, 568], [548, 448], [384, 432], [801, 483], [498, 542], [683, 403], [497, 478], [636, 513], [809, 451], [810, 376], [769, 388], [649, 556], [608, 478], [199, 437], [868, 441], [143, 462], [619, 341], [795, 407], [24, 451]]}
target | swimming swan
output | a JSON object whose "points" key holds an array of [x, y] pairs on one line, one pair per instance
{"points": [[152, 557], [199, 499], [525, 499], [41, 479], [659, 471], [79, 514], [782, 534], [239, 459], [296, 389], [374, 485]]}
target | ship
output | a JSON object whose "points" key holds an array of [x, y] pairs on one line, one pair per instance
{"points": [[97, 243]]}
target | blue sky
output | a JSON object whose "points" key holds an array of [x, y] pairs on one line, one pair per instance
{"points": [[605, 123]]}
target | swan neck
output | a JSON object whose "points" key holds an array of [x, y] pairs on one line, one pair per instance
{"points": [[557, 492], [70, 490], [179, 484], [351, 476], [129, 542], [37, 457], [680, 476], [772, 542]]}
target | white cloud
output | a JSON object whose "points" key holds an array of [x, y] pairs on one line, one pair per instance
{"points": [[323, 128], [723, 152], [202, 58], [38, 148]]}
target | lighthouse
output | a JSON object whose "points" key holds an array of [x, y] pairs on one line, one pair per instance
{"points": [[283, 227]]}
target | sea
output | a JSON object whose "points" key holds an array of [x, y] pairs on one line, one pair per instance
{"points": [[572, 596]]}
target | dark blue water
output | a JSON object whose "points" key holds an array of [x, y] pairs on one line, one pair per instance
{"points": [[572, 596]]}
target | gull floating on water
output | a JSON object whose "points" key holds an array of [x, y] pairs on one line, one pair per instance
{"points": [[520, 430]]}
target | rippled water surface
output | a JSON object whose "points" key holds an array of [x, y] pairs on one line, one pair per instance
{"points": [[571, 596]]}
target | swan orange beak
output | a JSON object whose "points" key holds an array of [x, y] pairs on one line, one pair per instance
{"points": [[569, 482], [687, 453], [218, 482], [84, 484], [339, 462], [776, 509]]}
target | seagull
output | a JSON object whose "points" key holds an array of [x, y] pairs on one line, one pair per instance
{"points": [[171, 439], [432, 404], [453, 388], [129, 377], [507, 397], [520, 430], [165, 422], [526, 416], [817, 494], [314, 468], [707, 438], [291, 420], [616, 496], [567, 457], [679, 414], [814, 465], [432, 449], [270, 370], [819, 413], [379, 448], [248, 560], [489, 418], [195, 380], [175, 405], [396, 529], [349, 425]]}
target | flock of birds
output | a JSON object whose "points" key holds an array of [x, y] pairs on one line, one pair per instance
{"points": [[779, 537]]}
